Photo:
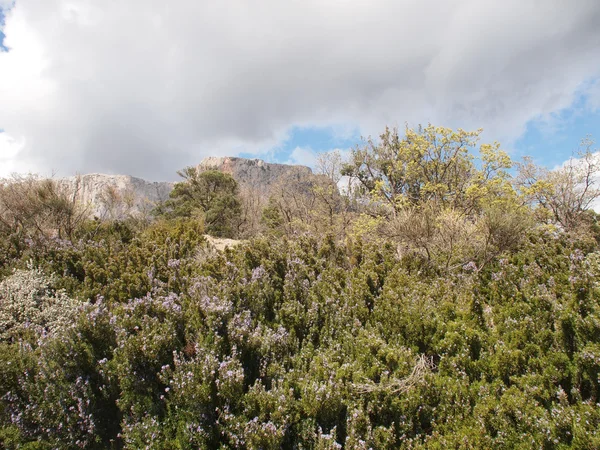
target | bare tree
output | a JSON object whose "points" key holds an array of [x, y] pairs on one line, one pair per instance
{"points": [[306, 203], [330, 164], [253, 202], [31, 207], [115, 204], [567, 192]]}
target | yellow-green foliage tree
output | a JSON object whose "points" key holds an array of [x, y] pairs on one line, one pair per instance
{"points": [[430, 164], [440, 199]]}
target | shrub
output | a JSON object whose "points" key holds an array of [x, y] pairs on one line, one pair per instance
{"points": [[29, 304]]}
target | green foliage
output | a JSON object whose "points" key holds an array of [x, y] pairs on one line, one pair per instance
{"points": [[282, 344], [484, 334], [210, 194], [118, 262], [430, 164]]}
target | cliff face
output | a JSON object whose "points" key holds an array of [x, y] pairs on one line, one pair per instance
{"points": [[112, 196], [253, 173], [116, 195]]}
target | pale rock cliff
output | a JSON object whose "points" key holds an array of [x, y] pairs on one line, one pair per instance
{"points": [[115, 196], [253, 173]]}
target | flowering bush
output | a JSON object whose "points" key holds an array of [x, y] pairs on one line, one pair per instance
{"points": [[28, 303], [305, 343]]}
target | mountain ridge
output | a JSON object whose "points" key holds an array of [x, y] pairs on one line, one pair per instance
{"points": [[116, 195]]}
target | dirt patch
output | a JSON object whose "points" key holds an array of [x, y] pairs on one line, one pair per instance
{"points": [[221, 243]]}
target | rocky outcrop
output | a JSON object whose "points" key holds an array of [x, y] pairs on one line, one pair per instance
{"points": [[254, 173], [115, 196]]}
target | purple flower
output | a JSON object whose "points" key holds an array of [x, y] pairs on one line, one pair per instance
{"points": [[174, 263], [258, 273], [470, 267]]}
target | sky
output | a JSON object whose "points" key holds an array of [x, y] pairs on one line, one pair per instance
{"points": [[147, 87]]}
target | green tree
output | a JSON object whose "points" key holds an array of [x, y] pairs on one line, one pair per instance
{"points": [[212, 195], [441, 201], [430, 164]]}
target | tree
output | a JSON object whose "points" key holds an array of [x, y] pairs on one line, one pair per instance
{"points": [[330, 164], [430, 164], [116, 205], [253, 201], [212, 195], [306, 203], [440, 200], [566, 193], [39, 209]]}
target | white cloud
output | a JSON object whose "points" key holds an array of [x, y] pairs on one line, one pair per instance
{"points": [[304, 156], [146, 86], [592, 94], [10, 149]]}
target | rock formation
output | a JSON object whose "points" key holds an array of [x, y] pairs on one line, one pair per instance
{"points": [[253, 173], [115, 196]]}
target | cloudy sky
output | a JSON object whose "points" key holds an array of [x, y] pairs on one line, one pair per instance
{"points": [[146, 87]]}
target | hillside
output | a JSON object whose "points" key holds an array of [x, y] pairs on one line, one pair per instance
{"points": [[254, 173], [138, 196], [447, 301], [96, 190]]}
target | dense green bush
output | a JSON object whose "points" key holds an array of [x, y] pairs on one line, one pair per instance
{"points": [[312, 344]]}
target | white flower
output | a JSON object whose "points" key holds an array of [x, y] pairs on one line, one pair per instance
{"points": [[27, 300]]}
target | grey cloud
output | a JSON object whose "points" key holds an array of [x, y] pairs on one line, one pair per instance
{"points": [[147, 87]]}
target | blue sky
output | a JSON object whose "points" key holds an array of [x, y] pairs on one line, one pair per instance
{"points": [[146, 87], [549, 141], [309, 140], [552, 142], [1, 33]]}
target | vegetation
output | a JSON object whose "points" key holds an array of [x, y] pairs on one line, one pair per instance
{"points": [[212, 195], [445, 302]]}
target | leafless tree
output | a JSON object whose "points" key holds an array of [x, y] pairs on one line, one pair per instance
{"points": [[566, 192], [32, 207], [114, 204], [330, 164]]}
